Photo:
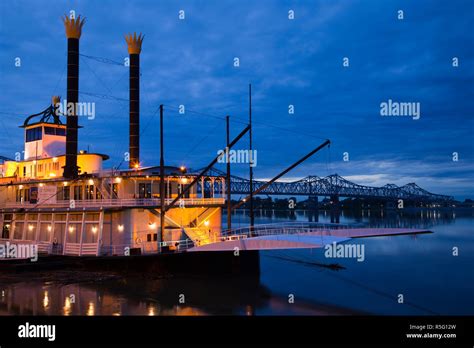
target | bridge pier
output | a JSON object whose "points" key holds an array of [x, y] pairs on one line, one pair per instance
{"points": [[313, 206], [335, 209]]}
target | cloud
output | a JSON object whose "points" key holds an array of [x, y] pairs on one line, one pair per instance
{"points": [[295, 62]]}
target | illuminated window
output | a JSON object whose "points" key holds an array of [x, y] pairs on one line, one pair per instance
{"points": [[89, 191], [115, 191], [144, 190]]}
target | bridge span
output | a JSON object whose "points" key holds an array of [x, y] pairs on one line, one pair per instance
{"points": [[333, 186]]}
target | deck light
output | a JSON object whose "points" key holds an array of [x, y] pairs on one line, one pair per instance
{"points": [[45, 300], [20, 187], [151, 225], [50, 228], [30, 227], [184, 180], [55, 159], [206, 223], [120, 228], [65, 183], [91, 182], [94, 229], [41, 184], [118, 180], [182, 168]]}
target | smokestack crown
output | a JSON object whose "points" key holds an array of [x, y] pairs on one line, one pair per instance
{"points": [[55, 100], [73, 27], [134, 43]]}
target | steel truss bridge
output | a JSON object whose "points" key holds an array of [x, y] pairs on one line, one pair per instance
{"points": [[333, 185]]}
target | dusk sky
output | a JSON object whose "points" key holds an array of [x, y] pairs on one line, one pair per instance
{"points": [[288, 62]]}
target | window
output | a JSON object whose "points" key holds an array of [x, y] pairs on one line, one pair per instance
{"points": [[7, 222], [115, 191], [144, 190], [33, 134], [89, 191], [23, 195], [149, 237], [77, 193], [54, 131], [40, 167], [63, 193], [56, 166]]}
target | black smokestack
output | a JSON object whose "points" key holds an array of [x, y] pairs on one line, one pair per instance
{"points": [[73, 34], [134, 49]]}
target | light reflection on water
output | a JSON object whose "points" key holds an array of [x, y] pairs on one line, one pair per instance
{"points": [[422, 268]]}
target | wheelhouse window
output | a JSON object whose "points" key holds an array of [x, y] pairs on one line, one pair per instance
{"points": [[54, 131], [34, 134]]}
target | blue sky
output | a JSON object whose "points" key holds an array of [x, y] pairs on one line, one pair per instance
{"points": [[296, 62]]}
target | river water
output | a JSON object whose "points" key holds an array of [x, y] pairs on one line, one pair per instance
{"points": [[415, 275]]}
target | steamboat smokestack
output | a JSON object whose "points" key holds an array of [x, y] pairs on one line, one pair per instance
{"points": [[134, 48], [73, 33]]}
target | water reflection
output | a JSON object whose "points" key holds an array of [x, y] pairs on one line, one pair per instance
{"points": [[138, 296], [133, 296], [408, 218]]}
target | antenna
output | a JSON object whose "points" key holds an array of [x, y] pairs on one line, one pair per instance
{"points": [[252, 219], [162, 182], [227, 183]]}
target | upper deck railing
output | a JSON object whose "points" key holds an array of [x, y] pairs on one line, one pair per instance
{"points": [[114, 203], [285, 228]]}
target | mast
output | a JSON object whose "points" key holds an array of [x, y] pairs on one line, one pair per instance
{"points": [[162, 182], [251, 160], [227, 183]]}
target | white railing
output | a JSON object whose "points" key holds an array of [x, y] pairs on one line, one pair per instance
{"points": [[285, 228], [132, 202], [146, 247], [78, 249]]}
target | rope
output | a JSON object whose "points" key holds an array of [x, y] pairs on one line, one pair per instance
{"points": [[102, 60]]}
